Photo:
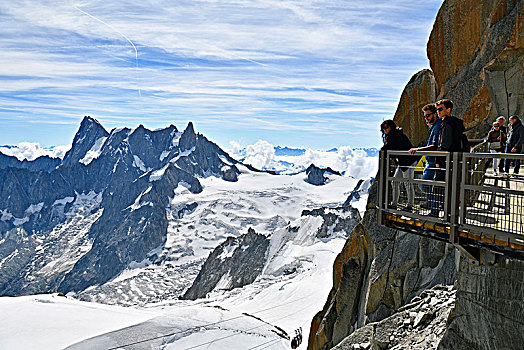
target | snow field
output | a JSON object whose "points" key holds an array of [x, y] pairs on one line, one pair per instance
{"points": [[52, 322]]}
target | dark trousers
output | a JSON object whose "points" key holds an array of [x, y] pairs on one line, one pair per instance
{"points": [[502, 162], [516, 161]]}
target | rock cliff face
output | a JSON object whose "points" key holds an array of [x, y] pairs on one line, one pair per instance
{"points": [[489, 311], [235, 263], [420, 90], [476, 55], [378, 271]]}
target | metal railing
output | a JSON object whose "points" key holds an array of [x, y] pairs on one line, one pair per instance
{"points": [[468, 203]]}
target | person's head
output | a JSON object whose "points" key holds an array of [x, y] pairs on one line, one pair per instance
{"points": [[444, 107], [501, 120], [513, 119], [496, 126], [430, 113], [387, 125]]}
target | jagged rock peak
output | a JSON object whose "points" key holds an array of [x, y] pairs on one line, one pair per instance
{"points": [[188, 138], [315, 175], [190, 128], [88, 133]]}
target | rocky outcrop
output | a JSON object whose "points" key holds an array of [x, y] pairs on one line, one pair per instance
{"points": [[341, 311], [471, 38], [315, 175], [420, 90], [362, 187], [418, 325], [489, 312], [235, 263], [334, 220], [378, 271]]}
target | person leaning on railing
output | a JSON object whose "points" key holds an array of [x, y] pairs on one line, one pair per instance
{"points": [[496, 143], [395, 140], [514, 142], [434, 123]]}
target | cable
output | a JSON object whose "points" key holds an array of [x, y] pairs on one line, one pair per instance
{"points": [[175, 333], [245, 330], [274, 341], [215, 323]]}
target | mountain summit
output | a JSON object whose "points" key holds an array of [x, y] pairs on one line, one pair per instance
{"points": [[116, 185]]}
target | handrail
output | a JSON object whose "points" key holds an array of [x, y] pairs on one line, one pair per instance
{"points": [[471, 205]]}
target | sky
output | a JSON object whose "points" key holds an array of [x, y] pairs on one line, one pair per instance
{"points": [[310, 74]]}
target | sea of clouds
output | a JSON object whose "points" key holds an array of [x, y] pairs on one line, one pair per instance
{"points": [[347, 160], [33, 150]]}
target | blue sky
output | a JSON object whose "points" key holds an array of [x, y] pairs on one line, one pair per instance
{"points": [[311, 74]]}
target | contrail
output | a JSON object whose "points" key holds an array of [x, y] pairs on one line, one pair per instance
{"points": [[125, 37]]}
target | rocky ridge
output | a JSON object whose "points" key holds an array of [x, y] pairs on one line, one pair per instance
{"points": [[233, 264], [417, 325], [41, 163], [239, 261], [126, 174], [316, 176]]}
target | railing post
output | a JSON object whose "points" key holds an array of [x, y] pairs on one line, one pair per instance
{"points": [[454, 197], [382, 181], [447, 187], [462, 198]]}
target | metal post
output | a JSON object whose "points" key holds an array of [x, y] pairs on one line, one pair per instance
{"points": [[386, 179], [381, 187], [454, 187], [447, 187], [463, 201]]}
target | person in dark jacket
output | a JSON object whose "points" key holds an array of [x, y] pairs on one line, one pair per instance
{"points": [[450, 134], [395, 140], [451, 129], [496, 141], [514, 142]]}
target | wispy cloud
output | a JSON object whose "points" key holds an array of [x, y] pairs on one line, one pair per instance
{"points": [[230, 66]]}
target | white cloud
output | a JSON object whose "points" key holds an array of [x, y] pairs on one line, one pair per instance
{"points": [[33, 150], [351, 162], [261, 155]]}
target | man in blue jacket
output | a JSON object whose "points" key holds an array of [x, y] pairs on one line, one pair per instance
{"points": [[434, 123]]}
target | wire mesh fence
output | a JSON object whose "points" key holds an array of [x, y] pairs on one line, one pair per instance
{"points": [[494, 201], [478, 193]]}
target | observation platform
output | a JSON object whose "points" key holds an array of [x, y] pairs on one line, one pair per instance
{"points": [[472, 207]]}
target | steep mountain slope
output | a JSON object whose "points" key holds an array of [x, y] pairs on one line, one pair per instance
{"points": [[128, 175]]}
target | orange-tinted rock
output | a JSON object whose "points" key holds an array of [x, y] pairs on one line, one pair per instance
{"points": [[467, 36], [420, 90], [478, 111]]}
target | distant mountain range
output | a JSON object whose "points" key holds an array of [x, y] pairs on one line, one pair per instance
{"points": [[286, 151], [156, 203]]}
